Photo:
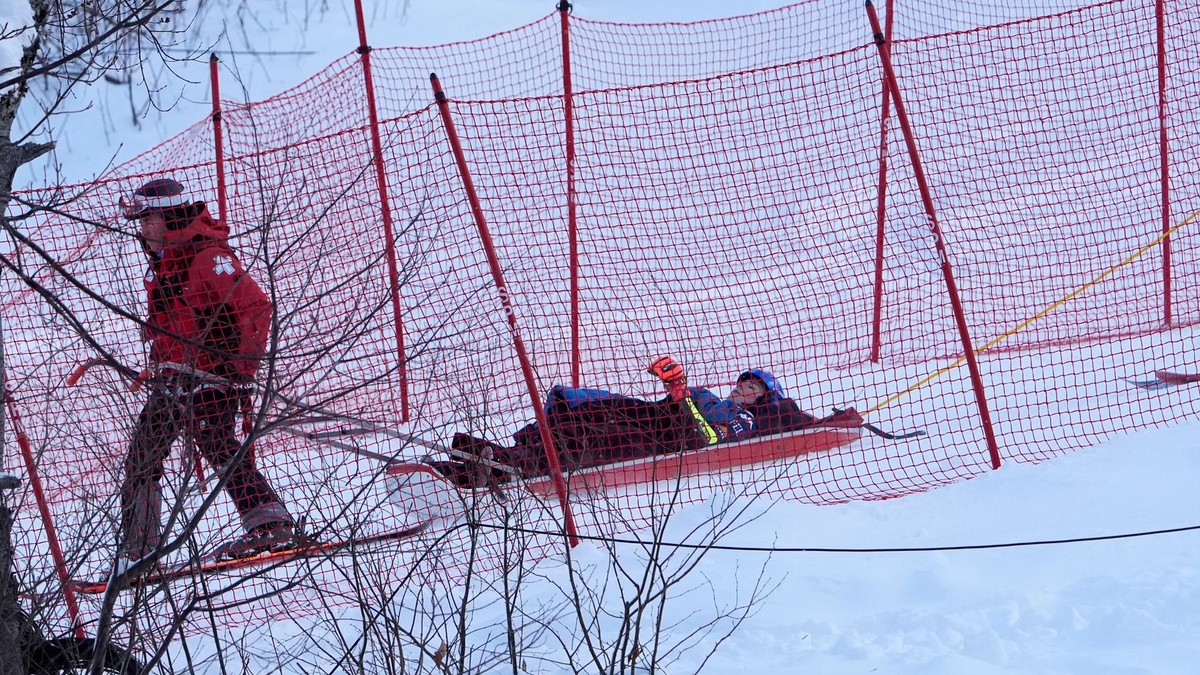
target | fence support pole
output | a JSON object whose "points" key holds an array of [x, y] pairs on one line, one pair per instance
{"points": [[364, 52], [214, 78], [35, 483], [1160, 12], [564, 9], [218, 136], [960, 316], [460, 159], [881, 200]]}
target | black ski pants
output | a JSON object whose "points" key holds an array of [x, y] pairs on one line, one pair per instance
{"points": [[207, 414]]}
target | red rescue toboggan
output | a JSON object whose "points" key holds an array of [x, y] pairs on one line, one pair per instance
{"points": [[840, 429]]}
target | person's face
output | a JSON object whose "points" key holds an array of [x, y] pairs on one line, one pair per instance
{"points": [[154, 231], [747, 391]]}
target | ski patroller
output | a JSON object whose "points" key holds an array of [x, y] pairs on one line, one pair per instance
{"points": [[210, 565], [215, 562], [1165, 379]]}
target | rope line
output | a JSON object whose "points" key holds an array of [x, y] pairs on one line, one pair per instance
{"points": [[813, 549], [1025, 324]]}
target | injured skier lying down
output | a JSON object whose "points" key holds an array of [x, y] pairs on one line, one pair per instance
{"points": [[591, 427]]}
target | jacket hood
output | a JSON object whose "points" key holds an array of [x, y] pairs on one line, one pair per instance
{"points": [[201, 229]]}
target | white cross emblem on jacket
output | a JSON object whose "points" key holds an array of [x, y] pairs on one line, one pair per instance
{"points": [[224, 265]]}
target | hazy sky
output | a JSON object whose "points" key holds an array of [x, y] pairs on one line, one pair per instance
{"points": [[289, 49]]}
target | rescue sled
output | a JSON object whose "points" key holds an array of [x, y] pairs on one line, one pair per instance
{"points": [[416, 484]]}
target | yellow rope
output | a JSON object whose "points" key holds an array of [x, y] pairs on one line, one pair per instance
{"points": [[1024, 324]]}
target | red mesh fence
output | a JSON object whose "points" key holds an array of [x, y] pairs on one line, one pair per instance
{"points": [[726, 185]]}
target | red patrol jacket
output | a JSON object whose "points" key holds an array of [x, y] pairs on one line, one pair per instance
{"points": [[205, 311]]}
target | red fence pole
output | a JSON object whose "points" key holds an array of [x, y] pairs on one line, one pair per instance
{"points": [[564, 9], [218, 137], [214, 77], [881, 203], [960, 316], [35, 482], [460, 158], [381, 181], [1160, 11]]}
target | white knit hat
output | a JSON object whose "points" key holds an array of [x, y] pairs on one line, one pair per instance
{"points": [[156, 195]]}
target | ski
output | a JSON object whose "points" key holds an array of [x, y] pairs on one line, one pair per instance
{"points": [[1150, 385], [210, 566], [1165, 379], [1176, 378]]}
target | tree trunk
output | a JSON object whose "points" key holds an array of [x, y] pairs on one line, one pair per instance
{"points": [[12, 157], [10, 626]]}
